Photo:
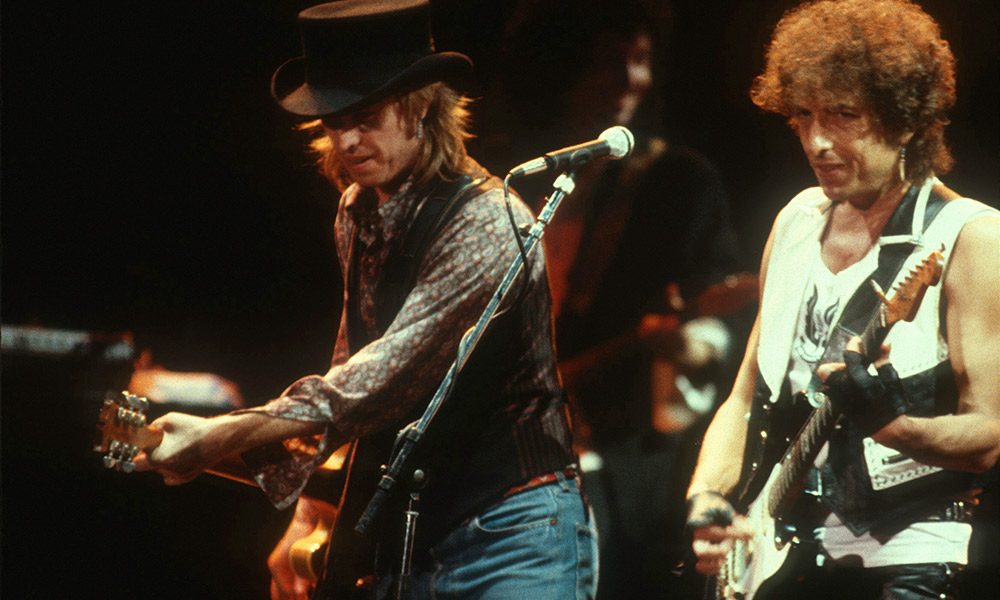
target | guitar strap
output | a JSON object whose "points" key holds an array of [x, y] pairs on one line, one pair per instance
{"points": [[400, 272], [901, 236], [444, 201], [348, 554]]}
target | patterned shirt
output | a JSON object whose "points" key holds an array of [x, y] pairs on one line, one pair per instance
{"points": [[386, 379]]}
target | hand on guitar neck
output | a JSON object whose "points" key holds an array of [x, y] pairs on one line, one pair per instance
{"points": [[872, 402], [180, 446], [659, 332], [127, 440], [127, 443], [177, 453]]}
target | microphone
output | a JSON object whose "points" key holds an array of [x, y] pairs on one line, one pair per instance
{"points": [[615, 142]]}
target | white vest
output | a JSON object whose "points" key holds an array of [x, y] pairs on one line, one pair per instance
{"points": [[916, 346]]}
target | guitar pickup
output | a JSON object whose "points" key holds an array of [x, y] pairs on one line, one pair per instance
{"points": [[895, 458]]}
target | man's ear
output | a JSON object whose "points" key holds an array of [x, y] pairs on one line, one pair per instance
{"points": [[905, 138]]}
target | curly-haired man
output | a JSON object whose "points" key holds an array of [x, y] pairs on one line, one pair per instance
{"points": [[866, 86]]}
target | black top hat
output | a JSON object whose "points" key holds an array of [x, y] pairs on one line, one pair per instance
{"points": [[356, 51]]}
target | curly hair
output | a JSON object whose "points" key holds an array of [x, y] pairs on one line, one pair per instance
{"points": [[889, 53], [446, 127]]}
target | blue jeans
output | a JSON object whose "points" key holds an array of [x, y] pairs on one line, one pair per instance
{"points": [[539, 544]]}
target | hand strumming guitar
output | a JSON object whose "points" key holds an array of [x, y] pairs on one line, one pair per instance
{"points": [[714, 526]]}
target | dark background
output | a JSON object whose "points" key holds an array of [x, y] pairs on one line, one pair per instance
{"points": [[150, 185]]}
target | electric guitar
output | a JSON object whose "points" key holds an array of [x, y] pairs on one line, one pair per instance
{"points": [[123, 432], [751, 565]]}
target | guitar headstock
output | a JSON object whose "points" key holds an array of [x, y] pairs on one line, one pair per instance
{"points": [[729, 296], [122, 431], [908, 294]]}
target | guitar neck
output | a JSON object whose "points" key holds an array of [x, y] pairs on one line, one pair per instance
{"points": [[804, 449], [801, 455], [234, 469], [326, 482], [874, 334]]}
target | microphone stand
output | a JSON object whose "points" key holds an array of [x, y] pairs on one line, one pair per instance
{"points": [[411, 435]]}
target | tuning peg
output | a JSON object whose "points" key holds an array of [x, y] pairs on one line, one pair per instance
{"points": [[129, 452], [111, 459], [131, 400], [879, 291]]}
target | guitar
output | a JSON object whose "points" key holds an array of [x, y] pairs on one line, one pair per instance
{"points": [[729, 296], [123, 432], [751, 565]]}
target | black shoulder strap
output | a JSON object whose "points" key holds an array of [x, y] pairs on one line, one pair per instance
{"points": [[860, 308], [400, 272]]}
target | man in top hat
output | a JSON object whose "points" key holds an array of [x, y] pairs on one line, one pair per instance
{"points": [[423, 239]]}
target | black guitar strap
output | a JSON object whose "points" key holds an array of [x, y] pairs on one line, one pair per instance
{"points": [[860, 308], [400, 271], [349, 554]]}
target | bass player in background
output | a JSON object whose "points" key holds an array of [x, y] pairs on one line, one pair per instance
{"points": [[423, 240], [637, 236], [866, 85]]}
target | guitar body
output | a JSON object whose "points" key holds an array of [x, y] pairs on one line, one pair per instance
{"points": [[308, 554], [349, 572], [754, 561]]}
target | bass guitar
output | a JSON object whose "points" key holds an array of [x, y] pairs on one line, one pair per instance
{"points": [[751, 566]]}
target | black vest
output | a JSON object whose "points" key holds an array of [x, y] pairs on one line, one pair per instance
{"points": [[469, 449]]}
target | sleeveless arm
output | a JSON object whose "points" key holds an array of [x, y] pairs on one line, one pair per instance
{"points": [[721, 456], [970, 439]]}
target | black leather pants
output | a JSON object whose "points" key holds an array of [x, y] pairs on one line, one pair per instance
{"points": [[902, 582]]}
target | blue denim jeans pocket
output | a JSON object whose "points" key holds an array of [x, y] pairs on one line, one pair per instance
{"points": [[521, 512], [539, 543]]}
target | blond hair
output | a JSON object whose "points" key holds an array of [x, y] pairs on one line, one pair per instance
{"points": [[445, 129]]}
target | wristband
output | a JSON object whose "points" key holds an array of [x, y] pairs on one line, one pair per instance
{"points": [[719, 513]]}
